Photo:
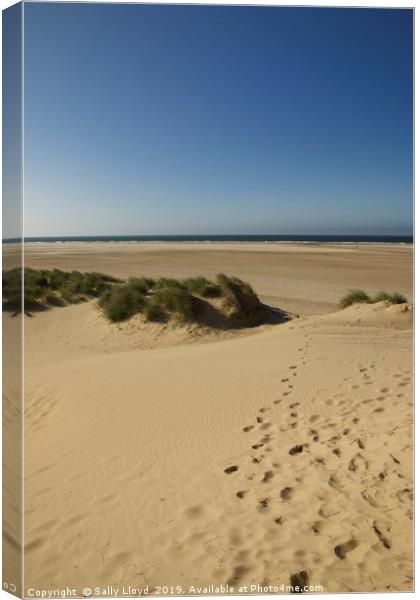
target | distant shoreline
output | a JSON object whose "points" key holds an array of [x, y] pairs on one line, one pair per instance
{"points": [[211, 239]]}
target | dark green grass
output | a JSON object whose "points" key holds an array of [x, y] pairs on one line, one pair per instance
{"points": [[393, 298], [141, 284], [361, 297], [121, 302], [355, 297], [158, 299], [163, 298], [155, 312], [177, 300], [200, 286], [51, 287], [232, 283]]}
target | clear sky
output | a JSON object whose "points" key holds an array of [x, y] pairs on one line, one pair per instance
{"points": [[192, 120]]}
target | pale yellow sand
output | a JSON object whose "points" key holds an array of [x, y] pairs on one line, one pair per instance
{"points": [[127, 445]]}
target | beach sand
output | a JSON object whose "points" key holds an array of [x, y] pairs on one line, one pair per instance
{"points": [[304, 278], [166, 457]]}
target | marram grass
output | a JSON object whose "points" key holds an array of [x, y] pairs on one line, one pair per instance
{"points": [[361, 297], [157, 299]]}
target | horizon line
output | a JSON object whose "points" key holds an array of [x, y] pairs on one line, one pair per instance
{"points": [[204, 235]]}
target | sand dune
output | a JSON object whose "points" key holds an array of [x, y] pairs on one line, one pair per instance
{"points": [[239, 463], [179, 456]]}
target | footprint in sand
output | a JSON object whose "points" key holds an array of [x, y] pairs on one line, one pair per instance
{"points": [[377, 528], [356, 462], [241, 494], [343, 549], [297, 449], [286, 493], [238, 573], [263, 504], [369, 499], [317, 526], [231, 469], [257, 446], [248, 428], [268, 475], [299, 581]]}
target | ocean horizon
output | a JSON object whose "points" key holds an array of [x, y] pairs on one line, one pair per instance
{"points": [[359, 239]]}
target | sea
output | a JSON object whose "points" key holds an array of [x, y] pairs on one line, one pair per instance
{"points": [[308, 239]]}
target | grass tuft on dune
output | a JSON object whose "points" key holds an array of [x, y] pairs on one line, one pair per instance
{"points": [[361, 297], [185, 300], [51, 287], [393, 298]]}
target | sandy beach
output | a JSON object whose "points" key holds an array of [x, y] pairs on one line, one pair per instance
{"points": [[164, 456], [306, 279]]}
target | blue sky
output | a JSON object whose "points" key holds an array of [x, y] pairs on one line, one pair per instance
{"points": [[192, 119]]}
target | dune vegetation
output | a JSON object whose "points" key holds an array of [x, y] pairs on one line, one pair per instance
{"points": [[186, 300], [43, 287], [361, 297]]}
